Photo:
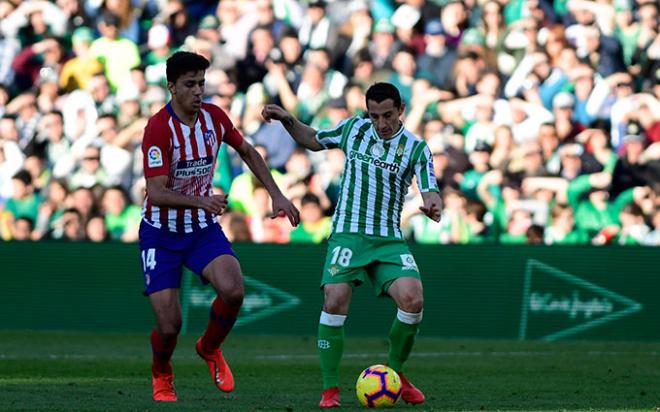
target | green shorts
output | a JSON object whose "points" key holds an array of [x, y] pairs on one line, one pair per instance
{"points": [[354, 257]]}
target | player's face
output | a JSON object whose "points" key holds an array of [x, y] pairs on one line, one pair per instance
{"points": [[189, 90], [385, 117]]}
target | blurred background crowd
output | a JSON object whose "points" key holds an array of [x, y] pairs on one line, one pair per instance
{"points": [[543, 117]]}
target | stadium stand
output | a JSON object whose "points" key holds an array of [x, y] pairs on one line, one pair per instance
{"points": [[543, 117]]}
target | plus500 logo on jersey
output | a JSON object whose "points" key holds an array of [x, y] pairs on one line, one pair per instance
{"points": [[194, 168]]}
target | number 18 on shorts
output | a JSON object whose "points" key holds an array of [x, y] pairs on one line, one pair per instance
{"points": [[354, 258]]}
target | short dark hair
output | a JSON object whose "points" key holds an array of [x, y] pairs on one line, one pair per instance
{"points": [[110, 19], [73, 210], [24, 176], [633, 209], [361, 56], [323, 50], [476, 208], [287, 32], [29, 221], [183, 62], [108, 115], [60, 181], [55, 113], [120, 190], [535, 234], [310, 198], [379, 92]]}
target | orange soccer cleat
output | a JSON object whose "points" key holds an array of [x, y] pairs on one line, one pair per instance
{"points": [[330, 398], [409, 393], [220, 372], [163, 385]]}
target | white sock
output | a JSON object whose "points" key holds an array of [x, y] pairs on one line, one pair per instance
{"points": [[329, 319], [409, 318]]}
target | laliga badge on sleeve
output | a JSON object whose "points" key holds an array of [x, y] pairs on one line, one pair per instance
{"points": [[154, 157]]}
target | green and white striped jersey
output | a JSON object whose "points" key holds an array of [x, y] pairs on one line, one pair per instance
{"points": [[377, 175]]}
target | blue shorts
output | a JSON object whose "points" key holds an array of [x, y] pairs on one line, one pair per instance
{"points": [[163, 254]]}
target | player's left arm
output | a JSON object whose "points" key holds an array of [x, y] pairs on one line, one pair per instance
{"points": [[281, 205], [432, 205], [427, 182]]}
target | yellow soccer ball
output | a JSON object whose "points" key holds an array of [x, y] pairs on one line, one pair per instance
{"points": [[378, 386]]}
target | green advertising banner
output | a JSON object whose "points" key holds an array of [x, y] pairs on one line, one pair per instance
{"points": [[558, 304], [480, 291]]}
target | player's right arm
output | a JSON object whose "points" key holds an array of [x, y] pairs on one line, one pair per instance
{"points": [[301, 133], [155, 148], [160, 195]]}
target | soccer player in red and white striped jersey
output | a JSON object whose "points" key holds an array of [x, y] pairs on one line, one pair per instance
{"points": [[187, 156], [179, 225]]}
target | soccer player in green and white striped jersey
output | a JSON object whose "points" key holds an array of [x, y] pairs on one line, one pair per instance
{"points": [[366, 241]]}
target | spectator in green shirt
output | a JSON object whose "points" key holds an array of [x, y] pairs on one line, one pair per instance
{"points": [[633, 229], [520, 221], [313, 227], [479, 159], [159, 43], [502, 204], [562, 231], [474, 219], [122, 219], [24, 202], [596, 213], [241, 192], [118, 55]]}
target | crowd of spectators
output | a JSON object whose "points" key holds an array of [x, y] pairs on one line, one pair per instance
{"points": [[543, 117]]}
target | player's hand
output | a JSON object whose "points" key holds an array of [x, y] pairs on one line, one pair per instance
{"points": [[431, 207], [274, 112], [283, 207], [215, 204], [432, 211]]}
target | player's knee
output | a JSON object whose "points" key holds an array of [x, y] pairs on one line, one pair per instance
{"points": [[234, 297], [412, 302], [333, 307], [169, 330], [336, 305]]}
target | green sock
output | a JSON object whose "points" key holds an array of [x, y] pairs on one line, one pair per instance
{"points": [[331, 348], [402, 337]]}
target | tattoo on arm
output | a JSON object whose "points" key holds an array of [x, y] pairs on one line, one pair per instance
{"points": [[301, 133]]}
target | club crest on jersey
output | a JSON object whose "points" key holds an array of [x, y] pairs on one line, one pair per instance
{"points": [[209, 137], [399, 150], [154, 157], [377, 150]]}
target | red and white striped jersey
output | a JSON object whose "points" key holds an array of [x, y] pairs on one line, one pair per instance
{"points": [[187, 155]]}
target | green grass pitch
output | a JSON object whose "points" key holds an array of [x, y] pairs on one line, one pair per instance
{"points": [[60, 371]]}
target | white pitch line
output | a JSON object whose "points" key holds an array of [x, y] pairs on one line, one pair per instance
{"points": [[453, 354], [293, 356]]}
